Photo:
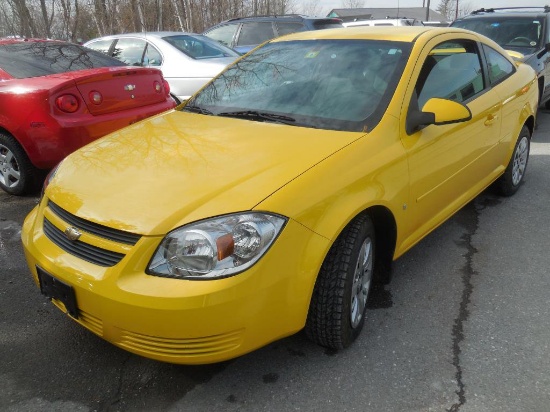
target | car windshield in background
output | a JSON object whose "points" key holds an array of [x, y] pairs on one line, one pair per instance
{"points": [[200, 47], [521, 34], [328, 84], [33, 59]]}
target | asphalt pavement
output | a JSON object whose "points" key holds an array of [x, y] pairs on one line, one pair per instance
{"points": [[464, 326]]}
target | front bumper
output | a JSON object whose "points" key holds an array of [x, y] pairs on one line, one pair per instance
{"points": [[182, 321]]}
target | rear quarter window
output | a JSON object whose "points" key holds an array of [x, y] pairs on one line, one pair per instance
{"points": [[102, 46], [130, 51], [499, 66], [33, 59], [223, 34], [287, 28], [255, 33], [320, 25]]}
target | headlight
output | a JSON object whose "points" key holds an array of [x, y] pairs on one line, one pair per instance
{"points": [[47, 180], [216, 248]]}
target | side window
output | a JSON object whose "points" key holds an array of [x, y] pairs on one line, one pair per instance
{"points": [[255, 33], [223, 34], [152, 56], [287, 28], [499, 66], [102, 46], [451, 71], [130, 51]]}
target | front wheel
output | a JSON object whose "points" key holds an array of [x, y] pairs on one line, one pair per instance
{"points": [[509, 182], [338, 305]]}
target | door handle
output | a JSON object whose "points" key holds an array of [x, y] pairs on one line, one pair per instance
{"points": [[491, 119]]}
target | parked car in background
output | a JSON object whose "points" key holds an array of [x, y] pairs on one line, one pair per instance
{"points": [[243, 34], [272, 199], [384, 22], [525, 31], [56, 97], [187, 60]]}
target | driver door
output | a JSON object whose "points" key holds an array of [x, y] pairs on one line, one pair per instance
{"points": [[450, 163]]}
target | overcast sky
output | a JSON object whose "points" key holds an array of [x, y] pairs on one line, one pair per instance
{"points": [[327, 5]]}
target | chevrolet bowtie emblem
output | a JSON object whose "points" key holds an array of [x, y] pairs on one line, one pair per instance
{"points": [[130, 87], [72, 233]]}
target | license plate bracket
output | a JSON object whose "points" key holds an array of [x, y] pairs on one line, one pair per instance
{"points": [[54, 288]]}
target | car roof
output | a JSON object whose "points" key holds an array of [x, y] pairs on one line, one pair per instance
{"points": [[31, 40], [145, 35], [508, 12], [392, 33], [273, 17]]}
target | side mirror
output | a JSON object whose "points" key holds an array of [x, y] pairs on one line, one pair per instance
{"points": [[438, 112]]}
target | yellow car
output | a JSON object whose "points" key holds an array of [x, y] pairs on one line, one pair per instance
{"points": [[272, 200]]}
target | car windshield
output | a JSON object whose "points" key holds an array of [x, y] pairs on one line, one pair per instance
{"points": [[32, 59], [200, 47], [328, 84], [522, 34]]}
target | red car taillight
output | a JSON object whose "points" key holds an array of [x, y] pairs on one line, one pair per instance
{"points": [[95, 97], [166, 87], [67, 103], [157, 87]]}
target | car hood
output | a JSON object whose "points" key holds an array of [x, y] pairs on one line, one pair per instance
{"points": [[181, 167]]}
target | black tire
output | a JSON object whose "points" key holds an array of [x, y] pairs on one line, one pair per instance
{"points": [[511, 180], [336, 313], [17, 174]]}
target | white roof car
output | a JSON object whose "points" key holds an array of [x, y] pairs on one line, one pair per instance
{"points": [[383, 22], [187, 60]]}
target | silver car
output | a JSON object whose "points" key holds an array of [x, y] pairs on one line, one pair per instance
{"points": [[187, 60]]}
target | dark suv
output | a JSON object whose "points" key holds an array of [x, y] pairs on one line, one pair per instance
{"points": [[523, 30], [243, 34]]}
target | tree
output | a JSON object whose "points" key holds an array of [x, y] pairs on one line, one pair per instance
{"points": [[86, 19], [311, 8], [448, 8], [353, 4]]}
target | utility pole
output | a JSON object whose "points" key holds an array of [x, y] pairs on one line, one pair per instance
{"points": [[428, 11]]}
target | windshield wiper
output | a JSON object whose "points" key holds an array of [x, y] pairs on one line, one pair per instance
{"points": [[197, 109], [253, 114]]}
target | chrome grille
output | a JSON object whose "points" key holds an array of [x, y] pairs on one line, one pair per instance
{"points": [[94, 228], [80, 249]]}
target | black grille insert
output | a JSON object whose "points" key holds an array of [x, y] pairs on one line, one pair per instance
{"points": [[80, 249], [94, 228]]}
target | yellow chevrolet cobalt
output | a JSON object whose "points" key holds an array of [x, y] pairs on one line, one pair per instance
{"points": [[274, 198]]}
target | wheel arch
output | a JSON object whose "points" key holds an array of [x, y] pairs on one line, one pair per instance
{"points": [[530, 124], [385, 227], [541, 89], [24, 147]]}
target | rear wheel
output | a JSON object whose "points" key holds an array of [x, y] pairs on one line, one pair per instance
{"points": [[17, 174], [338, 305], [509, 182]]}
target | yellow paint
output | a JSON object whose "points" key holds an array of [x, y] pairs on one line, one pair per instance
{"points": [[177, 168]]}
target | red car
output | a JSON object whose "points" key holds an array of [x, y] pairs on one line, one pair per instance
{"points": [[55, 97]]}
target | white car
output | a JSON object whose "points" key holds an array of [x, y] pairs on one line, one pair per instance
{"points": [[383, 22], [187, 60]]}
